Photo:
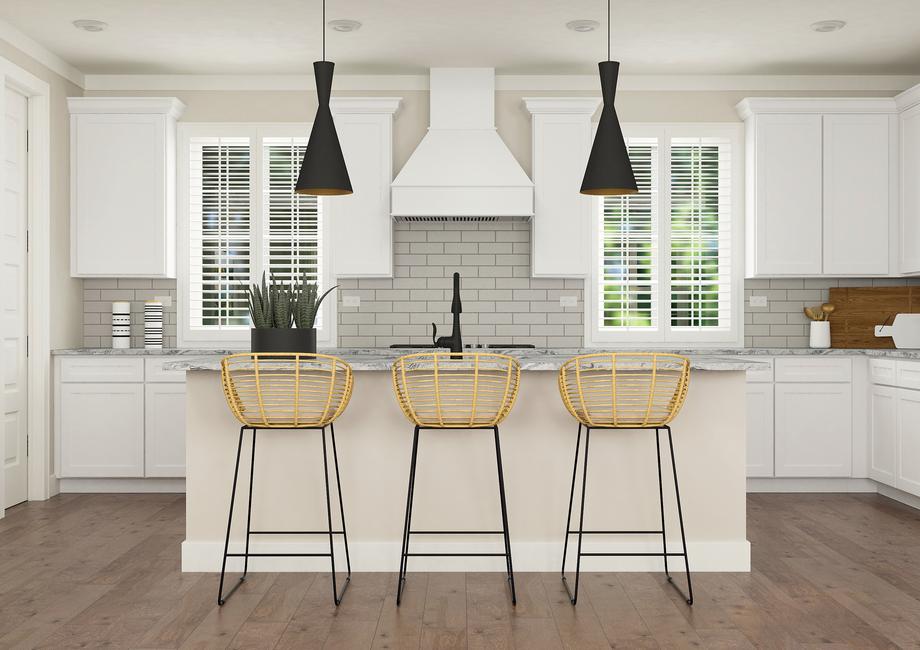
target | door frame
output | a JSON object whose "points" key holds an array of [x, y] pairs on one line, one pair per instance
{"points": [[42, 484]]}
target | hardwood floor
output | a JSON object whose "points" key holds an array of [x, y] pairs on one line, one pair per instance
{"points": [[103, 571]]}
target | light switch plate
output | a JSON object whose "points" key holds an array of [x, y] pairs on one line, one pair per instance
{"points": [[568, 301], [351, 301], [758, 301]]}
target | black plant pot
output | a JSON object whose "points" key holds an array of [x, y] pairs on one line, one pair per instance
{"points": [[276, 339]]}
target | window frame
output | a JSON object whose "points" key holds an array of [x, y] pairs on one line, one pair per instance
{"points": [[186, 336], [665, 336]]}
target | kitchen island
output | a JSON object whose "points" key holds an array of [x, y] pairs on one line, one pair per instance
{"points": [[456, 485]]}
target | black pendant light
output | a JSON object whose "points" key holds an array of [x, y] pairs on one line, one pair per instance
{"points": [[609, 172], [323, 171]]}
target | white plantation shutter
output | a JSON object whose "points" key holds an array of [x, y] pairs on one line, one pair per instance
{"points": [[665, 270], [629, 247], [219, 243], [700, 260], [291, 237]]}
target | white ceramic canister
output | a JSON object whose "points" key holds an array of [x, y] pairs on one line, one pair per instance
{"points": [[820, 334], [121, 325]]}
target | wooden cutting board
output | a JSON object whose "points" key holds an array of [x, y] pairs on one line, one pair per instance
{"points": [[860, 309]]}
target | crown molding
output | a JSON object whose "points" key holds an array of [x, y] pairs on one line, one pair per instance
{"points": [[908, 99], [169, 106], [557, 83], [754, 105], [562, 105], [39, 53], [367, 105]]}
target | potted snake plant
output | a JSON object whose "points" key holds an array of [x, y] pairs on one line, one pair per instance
{"points": [[284, 316]]}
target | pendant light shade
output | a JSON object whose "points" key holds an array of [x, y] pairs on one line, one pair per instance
{"points": [[609, 172], [323, 171]]}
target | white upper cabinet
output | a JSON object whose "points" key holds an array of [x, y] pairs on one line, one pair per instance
{"points": [[562, 220], [361, 226], [122, 183], [909, 103], [821, 186]]}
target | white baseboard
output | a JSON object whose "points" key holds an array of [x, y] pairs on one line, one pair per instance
{"points": [[128, 485], [812, 485], [528, 556], [899, 495]]}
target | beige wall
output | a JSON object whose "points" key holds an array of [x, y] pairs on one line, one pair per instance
{"points": [[66, 292]]}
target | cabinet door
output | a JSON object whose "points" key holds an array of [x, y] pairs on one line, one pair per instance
{"points": [[101, 430], [787, 191], [910, 190], [813, 429], [909, 441], [120, 211], [883, 434], [165, 430], [362, 228], [856, 194], [760, 429]]}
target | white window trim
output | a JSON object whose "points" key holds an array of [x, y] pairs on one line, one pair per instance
{"points": [[327, 336], [664, 337]]}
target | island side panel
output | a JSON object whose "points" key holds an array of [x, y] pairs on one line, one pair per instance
{"points": [[457, 482]]}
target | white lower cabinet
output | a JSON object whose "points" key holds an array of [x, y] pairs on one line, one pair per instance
{"points": [[760, 430], [883, 434], [813, 430], [164, 428], [118, 417], [101, 431], [908, 464]]}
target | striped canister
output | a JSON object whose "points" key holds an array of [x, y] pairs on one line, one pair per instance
{"points": [[153, 325], [121, 325]]}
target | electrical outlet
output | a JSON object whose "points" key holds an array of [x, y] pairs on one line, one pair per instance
{"points": [[568, 301], [351, 301], [166, 300], [758, 301]]}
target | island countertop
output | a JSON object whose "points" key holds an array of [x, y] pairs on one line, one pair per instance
{"points": [[381, 359]]}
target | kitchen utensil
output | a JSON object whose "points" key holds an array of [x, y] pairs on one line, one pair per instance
{"points": [[905, 331], [811, 313], [828, 309]]}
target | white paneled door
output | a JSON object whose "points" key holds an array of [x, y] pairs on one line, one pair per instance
{"points": [[13, 307]]}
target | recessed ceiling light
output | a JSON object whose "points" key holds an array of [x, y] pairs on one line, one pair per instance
{"points": [[90, 25], [345, 25], [582, 25], [828, 25]]}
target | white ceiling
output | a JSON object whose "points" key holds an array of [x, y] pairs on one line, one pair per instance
{"points": [[515, 36]]}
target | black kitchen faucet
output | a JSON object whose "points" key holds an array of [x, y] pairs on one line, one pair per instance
{"points": [[454, 341]]}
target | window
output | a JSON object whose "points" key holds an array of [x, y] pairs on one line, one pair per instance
{"points": [[239, 216], [664, 270]]}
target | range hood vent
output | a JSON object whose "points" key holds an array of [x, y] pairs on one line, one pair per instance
{"points": [[458, 219], [461, 170]]}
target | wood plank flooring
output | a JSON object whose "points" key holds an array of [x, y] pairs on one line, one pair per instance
{"points": [[87, 571]]}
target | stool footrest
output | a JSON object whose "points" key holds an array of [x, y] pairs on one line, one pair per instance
{"points": [[616, 532], [456, 532], [632, 554], [295, 532], [456, 555], [279, 555]]}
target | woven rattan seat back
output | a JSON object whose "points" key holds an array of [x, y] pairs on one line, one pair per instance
{"points": [[624, 390], [441, 390], [286, 390]]}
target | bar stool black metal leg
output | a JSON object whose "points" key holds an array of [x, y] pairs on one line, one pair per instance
{"points": [[568, 518], [338, 485], [404, 554], [336, 595], [506, 535], [581, 521], [221, 599], [664, 537], [252, 473], [680, 518]]}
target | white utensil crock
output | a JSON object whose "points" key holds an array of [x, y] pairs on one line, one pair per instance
{"points": [[820, 334]]}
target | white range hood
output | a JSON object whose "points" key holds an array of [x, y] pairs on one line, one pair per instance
{"points": [[461, 168]]}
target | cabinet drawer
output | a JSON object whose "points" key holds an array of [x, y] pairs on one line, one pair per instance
{"points": [[102, 369], [794, 369], [154, 372], [882, 371], [762, 374], [908, 374]]}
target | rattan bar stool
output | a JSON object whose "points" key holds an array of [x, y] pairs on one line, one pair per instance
{"points": [[286, 391], [442, 390], [624, 391]]}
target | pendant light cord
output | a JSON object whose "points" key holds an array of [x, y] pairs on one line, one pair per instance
{"points": [[608, 27], [324, 29]]}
